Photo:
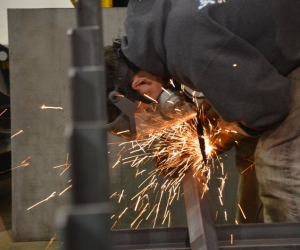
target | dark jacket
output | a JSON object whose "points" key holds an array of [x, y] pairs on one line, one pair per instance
{"points": [[238, 52]]}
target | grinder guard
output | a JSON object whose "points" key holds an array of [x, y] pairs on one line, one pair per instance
{"points": [[134, 122]]}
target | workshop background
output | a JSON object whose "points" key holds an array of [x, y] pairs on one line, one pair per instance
{"points": [[33, 161]]}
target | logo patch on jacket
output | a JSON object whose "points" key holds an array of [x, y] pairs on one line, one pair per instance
{"points": [[204, 3]]}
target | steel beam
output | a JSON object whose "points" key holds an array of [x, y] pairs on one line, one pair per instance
{"points": [[202, 230]]}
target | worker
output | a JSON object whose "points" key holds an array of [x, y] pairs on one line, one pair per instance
{"points": [[243, 56]]}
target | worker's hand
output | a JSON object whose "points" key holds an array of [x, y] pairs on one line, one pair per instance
{"points": [[221, 142], [221, 134]]}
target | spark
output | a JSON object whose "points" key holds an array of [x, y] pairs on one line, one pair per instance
{"points": [[172, 83], [165, 90], [65, 190], [231, 239], [121, 196], [216, 215], [122, 132], [121, 151], [114, 224], [141, 213], [247, 168], [176, 150], [24, 163], [225, 213], [67, 165], [151, 211], [165, 217], [138, 201], [157, 208], [51, 241], [139, 223], [242, 211], [123, 212], [21, 131], [49, 107], [169, 222], [114, 194], [221, 202], [150, 98], [139, 173], [117, 162], [59, 166], [3, 112], [52, 195]]}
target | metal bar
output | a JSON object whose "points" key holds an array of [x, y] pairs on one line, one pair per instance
{"points": [[148, 238], [87, 225], [202, 231], [245, 236], [259, 231]]}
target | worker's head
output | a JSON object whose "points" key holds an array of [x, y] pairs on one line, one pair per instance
{"points": [[127, 79], [136, 101]]}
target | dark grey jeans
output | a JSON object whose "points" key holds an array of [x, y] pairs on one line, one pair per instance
{"points": [[277, 159]]}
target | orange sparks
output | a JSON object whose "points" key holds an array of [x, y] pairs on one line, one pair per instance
{"points": [[216, 217], [49, 107], [221, 202], [67, 165], [178, 149], [65, 190], [247, 168], [3, 112], [123, 212], [21, 131], [51, 241], [172, 83], [122, 132], [231, 239], [52, 195], [166, 216], [114, 224], [139, 223], [121, 196], [242, 211], [141, 213], [165, 90], [150, 98], [117, 162], [24, 163], [139, 173]]}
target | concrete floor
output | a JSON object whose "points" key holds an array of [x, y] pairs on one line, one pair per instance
{"points": [[6, 242]]}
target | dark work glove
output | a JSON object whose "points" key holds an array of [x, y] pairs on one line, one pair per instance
{"points": [[222, 135]]}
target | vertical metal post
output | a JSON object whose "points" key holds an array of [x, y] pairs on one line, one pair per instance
{"points": [[87, 225], [202, 230]]}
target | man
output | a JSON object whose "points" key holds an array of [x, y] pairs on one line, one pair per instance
{"points": [[239, 54]]}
